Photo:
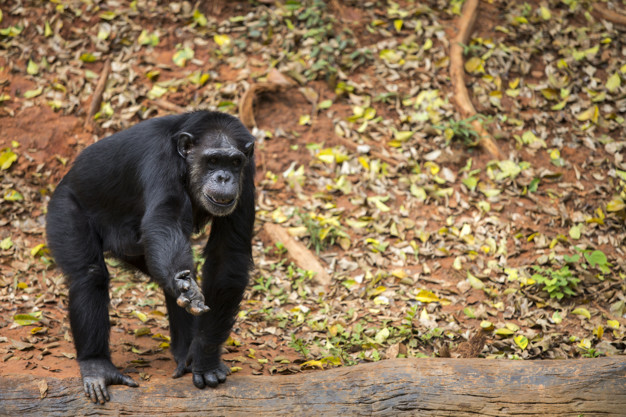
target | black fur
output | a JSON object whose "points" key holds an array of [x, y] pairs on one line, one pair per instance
{"points": [[139, 194]]}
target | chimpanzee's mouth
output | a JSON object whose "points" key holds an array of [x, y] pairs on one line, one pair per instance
{"points": [[221, 202]]}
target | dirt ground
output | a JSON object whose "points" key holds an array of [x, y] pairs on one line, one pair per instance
{"points": [[433, 247]]}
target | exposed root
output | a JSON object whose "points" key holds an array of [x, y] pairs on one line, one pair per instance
{"points": [[464, 104]]}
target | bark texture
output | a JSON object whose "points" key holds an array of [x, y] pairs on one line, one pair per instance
{"points": [[424, 387]]}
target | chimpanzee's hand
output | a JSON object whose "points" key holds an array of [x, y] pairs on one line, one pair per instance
{"points": [[97, 374], [191, 297]]}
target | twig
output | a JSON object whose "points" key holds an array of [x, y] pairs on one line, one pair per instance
{"points": [[465, 107], [166, 105], [97, 94]]}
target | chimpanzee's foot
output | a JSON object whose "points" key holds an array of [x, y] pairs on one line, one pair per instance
{"points": [[181, 369], [97, 374], [211, 377]]}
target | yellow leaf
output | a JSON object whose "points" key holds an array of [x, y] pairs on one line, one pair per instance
{"points": [[545, 13], [312, 364], [426, 296], [613, 324], [616, 204], [305, 119], [398, 24], [377, 291], [550, 93], [6, 159], [399, 273], [592, 113], [581, 311], [585, 344], [486, 324], [521, 341], [141, 316], [503, 331], [403, 135], [39, 250], [222, 40], [599, 332], [474, 65]]}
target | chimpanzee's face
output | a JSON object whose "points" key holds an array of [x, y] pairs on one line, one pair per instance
{"points": [[216, 166]]}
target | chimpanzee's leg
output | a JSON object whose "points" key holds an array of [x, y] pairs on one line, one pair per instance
{"points": [[77, 249], [181, 331], [225, 273]]}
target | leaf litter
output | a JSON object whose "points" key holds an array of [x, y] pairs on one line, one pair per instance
{"points": [[433, 249]]}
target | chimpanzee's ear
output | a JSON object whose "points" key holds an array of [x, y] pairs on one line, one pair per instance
{"points": [[184, 143], [249, 149]]}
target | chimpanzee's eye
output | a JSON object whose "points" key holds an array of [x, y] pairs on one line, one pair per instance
{"points": [[236, 162], [213, 161]]}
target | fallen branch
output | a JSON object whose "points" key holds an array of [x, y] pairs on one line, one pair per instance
{"points": [[601, 11], [374, 154], [169, 106], [464, 104], [299, 253], [424, 387], [96, 99]]}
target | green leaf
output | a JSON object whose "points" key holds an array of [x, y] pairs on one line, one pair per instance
{"points": [[27, 319], [596, 258], [148, 39], [108, 15], [183, 55], [575, 231], [469, 312], [33, 93], [475, 282], [88, 57], [613, 83], [382, 336], [12, 195], [6, 243], [156, 92], [32, 68], [325, 104], [199, 18]]}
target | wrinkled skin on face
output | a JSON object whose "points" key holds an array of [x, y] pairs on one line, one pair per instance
{"points": [[215, 170]]}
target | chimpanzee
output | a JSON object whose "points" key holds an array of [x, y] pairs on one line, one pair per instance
{"points": [[139, 195]]}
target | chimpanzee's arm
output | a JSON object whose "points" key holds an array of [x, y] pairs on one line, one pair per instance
{"points": [[165, 230]]}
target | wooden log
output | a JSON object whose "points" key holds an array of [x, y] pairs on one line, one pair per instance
{"points": [[425, 387]]}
